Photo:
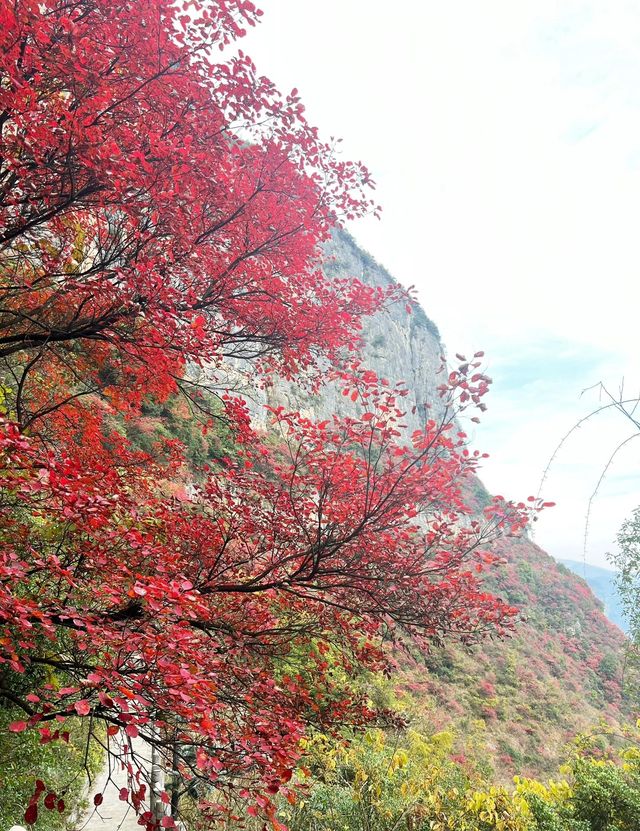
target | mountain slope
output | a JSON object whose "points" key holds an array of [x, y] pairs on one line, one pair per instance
{"points": [[560, 674], [602, 582], [515, 701]]}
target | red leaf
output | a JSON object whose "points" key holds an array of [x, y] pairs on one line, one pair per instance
{"points": [[31, 814], [98, 799], [82, 707]]}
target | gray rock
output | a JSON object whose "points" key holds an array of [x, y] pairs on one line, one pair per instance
{"points": [[398, 346]]}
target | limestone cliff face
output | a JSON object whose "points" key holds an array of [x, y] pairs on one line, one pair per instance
{"points": [[521, 699], [528, 695], [398, 346]]}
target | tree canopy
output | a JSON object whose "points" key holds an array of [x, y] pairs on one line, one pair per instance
{"points": [[161, 211]]}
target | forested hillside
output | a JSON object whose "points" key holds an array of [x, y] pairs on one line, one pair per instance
{"points": [[602, 582]]}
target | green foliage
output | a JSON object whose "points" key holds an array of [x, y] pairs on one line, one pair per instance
{"points": [[407, 781], [605, 796], [549, 806], [609, 666], [378, 782], [627, 562], [205, 438], [401, 782], [480, 496], [63, 765]]}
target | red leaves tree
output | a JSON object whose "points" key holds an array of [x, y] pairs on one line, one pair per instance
{"points": [[161, 211], [204, 626], [157, 207]]}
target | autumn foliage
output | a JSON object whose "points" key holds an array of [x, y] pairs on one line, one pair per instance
{"points": [[158, 207], [161, 213]]}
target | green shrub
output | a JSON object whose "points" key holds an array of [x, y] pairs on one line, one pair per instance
{"points": [[62, 765]]}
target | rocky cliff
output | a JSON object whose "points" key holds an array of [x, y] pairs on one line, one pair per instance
{"points": [[515, 702], [398, 345]]}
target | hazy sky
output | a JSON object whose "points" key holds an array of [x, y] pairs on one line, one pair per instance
{"points": [[505, 140]]}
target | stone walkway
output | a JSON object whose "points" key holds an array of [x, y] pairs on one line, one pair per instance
{"points": [[113, 813]]}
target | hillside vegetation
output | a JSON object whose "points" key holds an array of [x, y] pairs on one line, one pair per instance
{"points": [[602, 582]]}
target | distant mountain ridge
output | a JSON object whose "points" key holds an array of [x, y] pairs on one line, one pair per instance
{"points": [[602, 582]]}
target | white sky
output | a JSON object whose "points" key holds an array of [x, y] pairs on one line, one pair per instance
{"points": [[505, 140]]}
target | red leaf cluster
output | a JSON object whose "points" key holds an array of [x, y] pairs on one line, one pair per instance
{"points": [[157, 208], [212, 620]]}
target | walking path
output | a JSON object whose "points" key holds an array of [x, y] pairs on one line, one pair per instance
{"points": [[113, 814]]}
